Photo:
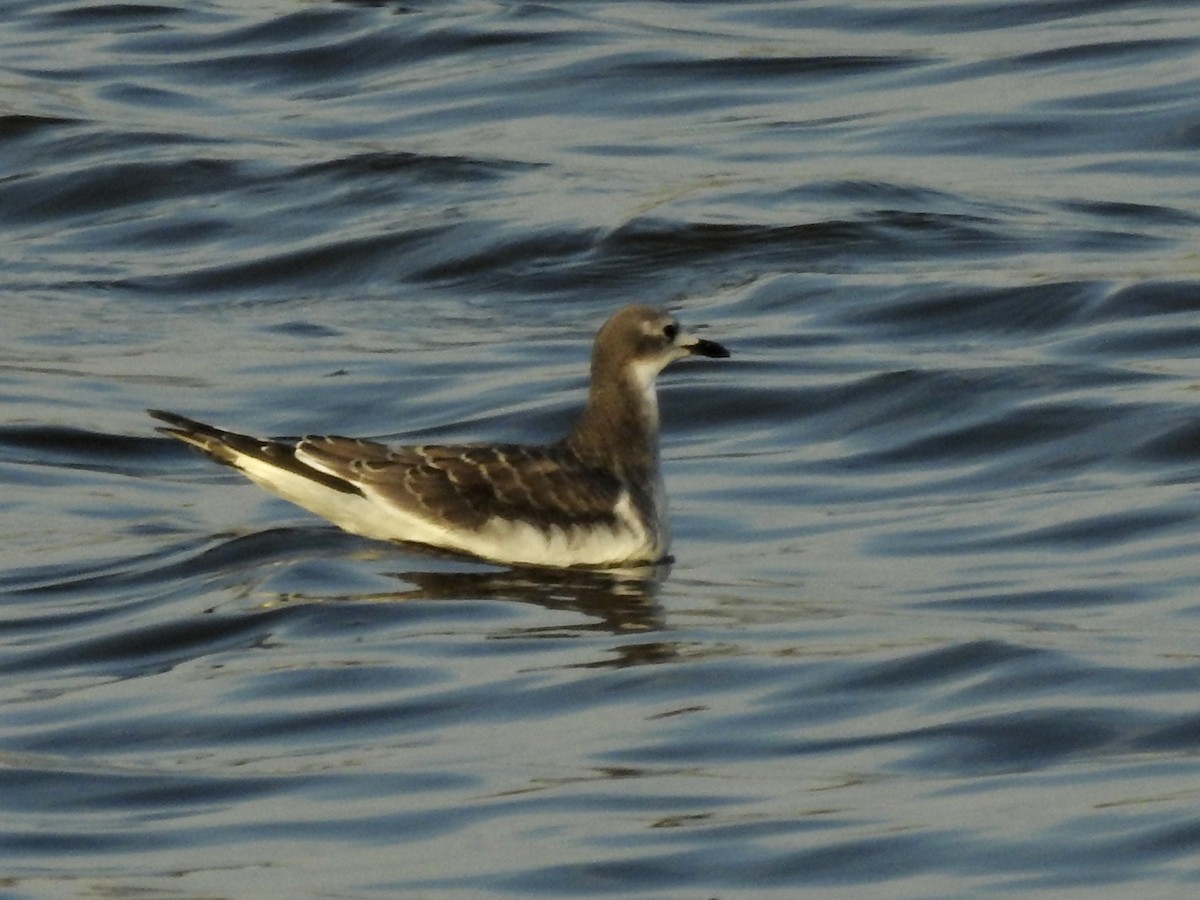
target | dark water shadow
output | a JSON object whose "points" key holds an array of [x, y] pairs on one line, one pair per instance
{"points": [[621, 601]]}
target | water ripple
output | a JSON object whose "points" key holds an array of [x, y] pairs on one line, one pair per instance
{"points": [[931, 626]]}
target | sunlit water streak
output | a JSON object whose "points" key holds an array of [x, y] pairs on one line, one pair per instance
{"points": [[932, 626]]}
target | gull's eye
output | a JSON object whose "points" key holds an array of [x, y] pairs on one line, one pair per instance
{"points": [[669, 331]]}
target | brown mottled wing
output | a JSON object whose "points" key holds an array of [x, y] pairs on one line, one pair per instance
{"points": [[468, 484]]}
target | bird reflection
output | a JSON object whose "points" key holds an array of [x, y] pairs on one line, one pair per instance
{"points": [[282, 567], [614, 601], [620, 601]]}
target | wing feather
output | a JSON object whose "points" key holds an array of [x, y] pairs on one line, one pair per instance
{"points": [[466, 485]]}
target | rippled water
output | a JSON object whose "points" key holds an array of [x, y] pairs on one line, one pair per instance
{"points": [[934, 625]]}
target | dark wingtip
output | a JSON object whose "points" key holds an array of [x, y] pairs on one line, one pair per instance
{"points": [[169, 417], [711, 349]]}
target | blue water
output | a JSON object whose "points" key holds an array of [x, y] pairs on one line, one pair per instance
{"points": [[933, 628]]}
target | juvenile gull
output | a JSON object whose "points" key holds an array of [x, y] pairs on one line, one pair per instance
{"points": [[594, 498]]}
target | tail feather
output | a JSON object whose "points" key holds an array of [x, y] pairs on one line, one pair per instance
{"points": [[231, 449]]}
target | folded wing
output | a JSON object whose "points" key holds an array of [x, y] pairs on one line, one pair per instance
{"points": [[467, 485]]}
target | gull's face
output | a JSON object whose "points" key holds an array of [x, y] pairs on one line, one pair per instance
{"points": [[657, 340], [663, 340]]}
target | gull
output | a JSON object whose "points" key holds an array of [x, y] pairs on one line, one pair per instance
{"points": [[594, 498]]}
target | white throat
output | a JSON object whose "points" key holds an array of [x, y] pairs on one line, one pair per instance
{"points": [[643, 375]]}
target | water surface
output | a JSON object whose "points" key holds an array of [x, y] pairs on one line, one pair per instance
{"points": [[932, 626]]}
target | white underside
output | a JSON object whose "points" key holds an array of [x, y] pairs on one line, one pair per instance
{"points": [[499, 539]]}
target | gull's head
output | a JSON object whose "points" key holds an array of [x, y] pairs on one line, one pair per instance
{"points": [[647, 340], [631, 349]]}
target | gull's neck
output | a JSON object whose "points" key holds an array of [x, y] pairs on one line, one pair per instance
{"points": [[619, 426]]}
